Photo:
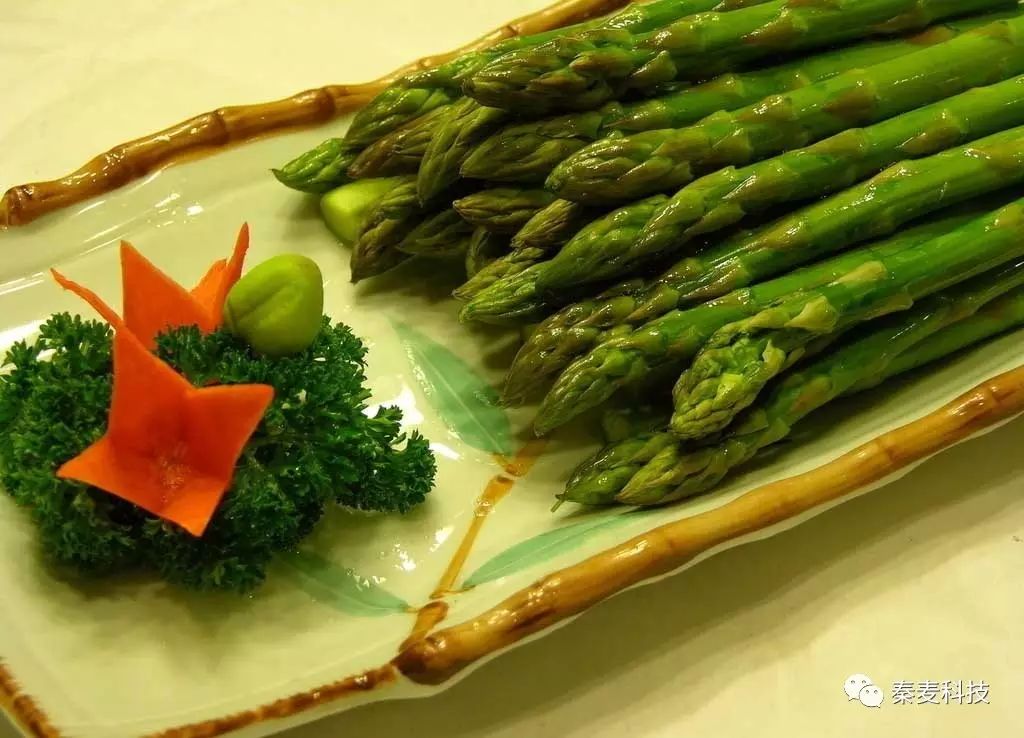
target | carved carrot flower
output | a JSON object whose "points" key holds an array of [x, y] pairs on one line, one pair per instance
{"points": [[169, 447]]}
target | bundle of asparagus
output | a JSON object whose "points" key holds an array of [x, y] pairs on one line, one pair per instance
{"points": [[675, 208]]}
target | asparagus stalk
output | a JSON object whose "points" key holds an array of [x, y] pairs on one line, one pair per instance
{"points": [[392, 219], [670, 341], [467, 123], [399, 152], [419, 93], [483, 249], [891, 347], [464, 124], [584, 70], [622, 168], [553, 226], [999, 316], [570, 333], [502, 268], [503, 209], [511, 298], [739, 360], [653, 465], [599, 479], [320, 169], [528, 152], [405, 101], [727, 196], [440, 234]]}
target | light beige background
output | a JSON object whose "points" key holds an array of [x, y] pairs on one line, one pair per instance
{"points": [[919, 581]]}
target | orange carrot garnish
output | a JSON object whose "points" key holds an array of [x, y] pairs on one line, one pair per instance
{"points": [[153, 302], [170, 448]]}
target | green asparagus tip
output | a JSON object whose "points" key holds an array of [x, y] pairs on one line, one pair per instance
{"points": [[721, 383]]}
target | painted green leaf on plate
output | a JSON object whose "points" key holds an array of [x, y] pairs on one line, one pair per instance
{"points": [[542, 548], [466, 403], [339, 587]]}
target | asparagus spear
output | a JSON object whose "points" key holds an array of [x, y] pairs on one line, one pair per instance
{"points": [[443, 233], [503, 209], [420, 92], [512, 298], [464, 124], [739, 360], [999, 316], [553, 226], [399, 152], [504, 267], [392, 219], [668, 342], [528, 152], [570, 333], [320, 169], [467, 122], [881, 351], [726, 196], [584, 70], [405, 101], [652, 464], [483, 249], [622, 168], [599, 479]]}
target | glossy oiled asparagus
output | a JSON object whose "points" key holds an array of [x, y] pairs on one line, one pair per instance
{"points": [[399, 152], [583, 71], [503, 268], [443, 233], [578, 328], [656, 467], [622, 168], [739, 360], [528, 152], [466, 122], [421, 92], [729, 195], [871, 209], [462, 126], [503, 209], [511, 298], [394, 217], [320, 169], [552, 227], [878, 352]]}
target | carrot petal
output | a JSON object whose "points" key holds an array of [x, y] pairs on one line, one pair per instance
{"points": [[153, 302], [106, 312], [206, 291], [169, 448], [232, 273]]}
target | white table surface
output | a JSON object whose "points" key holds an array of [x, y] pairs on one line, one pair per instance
{"points": [[920, 581]]}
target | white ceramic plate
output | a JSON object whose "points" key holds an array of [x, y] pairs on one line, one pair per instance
{"points": [[110, 660]]}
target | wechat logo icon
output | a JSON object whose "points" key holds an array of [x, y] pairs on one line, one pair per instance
{"points": [[860, 687]]}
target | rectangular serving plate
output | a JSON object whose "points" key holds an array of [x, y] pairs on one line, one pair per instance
{"points": [[357, 615]]}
